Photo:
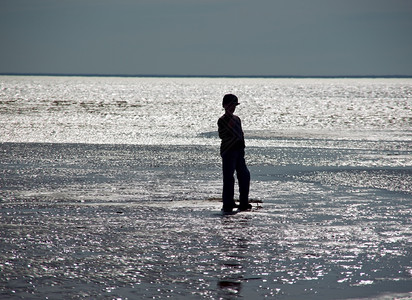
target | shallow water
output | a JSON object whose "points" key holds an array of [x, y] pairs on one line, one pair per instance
{"points": [[113, 221], [112, 200]]}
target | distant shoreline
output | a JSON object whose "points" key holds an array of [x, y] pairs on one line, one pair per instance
{"points": [[204, 76]]}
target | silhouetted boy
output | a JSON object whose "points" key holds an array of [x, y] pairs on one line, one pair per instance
{"points": [[232, 150]]}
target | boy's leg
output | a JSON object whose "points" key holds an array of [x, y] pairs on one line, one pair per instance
{"points": [[229, 166], [243, 176]]}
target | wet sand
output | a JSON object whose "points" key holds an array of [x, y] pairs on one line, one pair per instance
{"points": [[139, 222]]}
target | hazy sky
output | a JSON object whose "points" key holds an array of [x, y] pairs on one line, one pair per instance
{"points": [[207, 37]]}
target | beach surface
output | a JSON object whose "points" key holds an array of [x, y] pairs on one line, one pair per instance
{"points": [[136, 222]]}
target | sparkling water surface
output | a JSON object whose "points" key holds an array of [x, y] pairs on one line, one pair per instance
{"points": [[109, 189]]}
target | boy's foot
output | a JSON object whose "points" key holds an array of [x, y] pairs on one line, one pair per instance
{"points": [[245, 207], [229, 208]]}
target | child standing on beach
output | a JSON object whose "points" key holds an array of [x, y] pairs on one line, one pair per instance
{"points": [[232, 151]]}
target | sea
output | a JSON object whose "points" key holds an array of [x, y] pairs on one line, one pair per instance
{"points": [[110, 188]]}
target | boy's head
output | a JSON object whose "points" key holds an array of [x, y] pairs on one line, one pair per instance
{"points": [[229, 100]]}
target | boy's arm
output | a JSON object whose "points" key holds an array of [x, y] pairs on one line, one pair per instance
{"points": [[225, 130], [220, 128]]}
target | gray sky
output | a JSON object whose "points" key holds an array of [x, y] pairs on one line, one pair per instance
{"points": [[207, 37]]}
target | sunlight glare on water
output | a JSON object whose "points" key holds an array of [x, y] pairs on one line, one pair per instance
{"points": [[177, 110], [110, 189]]}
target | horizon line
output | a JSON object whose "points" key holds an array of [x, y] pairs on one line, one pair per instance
{"points": [[199, 76]]}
